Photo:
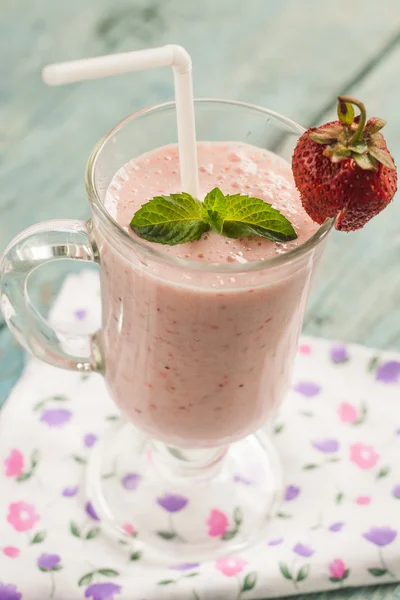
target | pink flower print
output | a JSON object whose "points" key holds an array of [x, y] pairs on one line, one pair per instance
{"points": [[14, 463], [338, 570], [363, 456], [11, 551], [128, 529], [230, 565], [218, 523], [22, 516], [363, 500], [347, 413], [305, 349]]}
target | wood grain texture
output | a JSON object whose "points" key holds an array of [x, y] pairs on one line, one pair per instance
{"points": [[357, 295], [294, 57]]}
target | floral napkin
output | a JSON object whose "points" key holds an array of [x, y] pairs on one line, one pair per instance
{"points": [[338, 437]]}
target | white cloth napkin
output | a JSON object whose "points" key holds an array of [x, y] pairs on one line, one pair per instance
{"points": [[338, 437]]}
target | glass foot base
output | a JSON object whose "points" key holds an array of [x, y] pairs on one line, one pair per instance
{"points": [[145, 495]]}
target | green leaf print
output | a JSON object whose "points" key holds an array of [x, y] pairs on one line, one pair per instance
{"points": [[377, 572], [363, 415], [166, 535], [284, 569], [310, 466], [305, 413], [238, 516], [92, 533], [278, 428], [112, 418], [166, 582], [107, 572], [85, 579], [373, 363], [191, 575], [38, 538], [383, 472], [79, 459], [34, 459], [249, 581], [24, 476], [74, 529], [339, 498], [303, 573], [39, 405], [282, 515], [229, 535], [135, 556]]}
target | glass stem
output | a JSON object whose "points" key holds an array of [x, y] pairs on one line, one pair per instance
{"points": [[188, 463]]}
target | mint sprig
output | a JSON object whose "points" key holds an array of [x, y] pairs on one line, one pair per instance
{"points": [[180, 218]]}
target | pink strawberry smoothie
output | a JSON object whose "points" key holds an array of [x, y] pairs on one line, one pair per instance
{"points": [[198, 357]]}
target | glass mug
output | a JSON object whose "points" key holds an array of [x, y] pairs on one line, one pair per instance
{"points": [[196, 356]]}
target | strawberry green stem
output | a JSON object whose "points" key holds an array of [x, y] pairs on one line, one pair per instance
{"points": [[363, 116]]}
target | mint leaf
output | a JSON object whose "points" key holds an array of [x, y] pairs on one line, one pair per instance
{"points": [[252, 216], [171, 220], [214, 209], [180, 218]]}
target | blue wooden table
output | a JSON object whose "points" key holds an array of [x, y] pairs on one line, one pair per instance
{"points": [[290, 55]]}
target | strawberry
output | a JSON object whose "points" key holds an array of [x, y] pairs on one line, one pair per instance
{"points": [[344, 169]]}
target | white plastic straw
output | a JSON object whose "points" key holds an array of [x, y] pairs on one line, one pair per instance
{"points": [[126, 62]]}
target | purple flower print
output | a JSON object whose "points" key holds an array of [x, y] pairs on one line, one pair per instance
{"points": [[303, 550], [9, 592], [388, 372], [102, 591], [275, 542], [48, 562], [186, 566], [89, 440], [380, 536], [307, 388], [70, 491], [326, 445], [172, 502], [396, 491], [131, 481], [81, 314], [291, 493], [336, 527], [242, 479], [339, 353], [91, 512], [56, 417]]}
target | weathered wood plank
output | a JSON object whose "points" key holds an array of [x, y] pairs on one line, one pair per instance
{"points": [[357, 295]]}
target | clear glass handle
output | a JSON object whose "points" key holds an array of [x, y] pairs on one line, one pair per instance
{"points": [[32, 248]]}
